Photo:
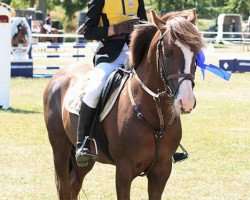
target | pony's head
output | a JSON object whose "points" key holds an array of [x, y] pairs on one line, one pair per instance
{"points": [[169, 45], [178, 45], [21, 29]]}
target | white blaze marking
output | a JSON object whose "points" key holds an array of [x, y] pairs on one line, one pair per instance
{"points": [[185, 98], [188, 55]]}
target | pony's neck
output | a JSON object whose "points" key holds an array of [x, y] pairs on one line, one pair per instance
{"points": [[150, 76], [147, 69], [146, 102]]}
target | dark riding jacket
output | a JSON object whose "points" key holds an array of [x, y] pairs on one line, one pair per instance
{"points": [[98, 22]]}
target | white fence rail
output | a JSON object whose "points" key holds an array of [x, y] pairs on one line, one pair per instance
{"points": [[84, 50], [229, 36]]}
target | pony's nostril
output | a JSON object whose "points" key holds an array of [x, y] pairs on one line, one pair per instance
{"points": [[187, 104], [185, 112]]}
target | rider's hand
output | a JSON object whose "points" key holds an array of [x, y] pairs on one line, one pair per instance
{"points": [[125, 27]]}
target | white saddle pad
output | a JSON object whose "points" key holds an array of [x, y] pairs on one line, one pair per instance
{"points": [[73, 97]]}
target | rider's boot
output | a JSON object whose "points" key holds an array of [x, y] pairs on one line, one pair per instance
{"points": [[177, 157], [180, 156], [83, 152]]}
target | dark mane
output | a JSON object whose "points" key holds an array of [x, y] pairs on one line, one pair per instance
{"points": [[179, 28], [140, 41]]}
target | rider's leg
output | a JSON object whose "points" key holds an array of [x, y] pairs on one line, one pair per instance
{"points": [[83, 153], [91, 98], [87, 113]]}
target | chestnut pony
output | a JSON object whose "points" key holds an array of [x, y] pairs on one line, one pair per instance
{"points": [[20, 36], [143, 129], [48, 39]]}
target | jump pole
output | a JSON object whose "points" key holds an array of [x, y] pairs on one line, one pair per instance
{"points": [[5, 55]]}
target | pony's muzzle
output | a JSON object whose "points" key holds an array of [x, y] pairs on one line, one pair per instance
{"points": [[183, 107], [188, 107]]}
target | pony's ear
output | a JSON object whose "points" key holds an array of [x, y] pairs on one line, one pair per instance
{"points": [[192, 16], [156, 20]]}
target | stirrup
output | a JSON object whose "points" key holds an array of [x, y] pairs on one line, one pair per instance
{"points": [[91, 139], [178, 157]]}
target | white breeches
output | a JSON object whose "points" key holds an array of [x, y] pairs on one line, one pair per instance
{"points": [[99, 77]]}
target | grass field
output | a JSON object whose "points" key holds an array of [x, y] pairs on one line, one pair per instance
{"points": [[216, 135]]}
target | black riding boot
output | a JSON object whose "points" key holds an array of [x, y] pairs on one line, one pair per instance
{"points": [[180, 156], [83, 153]]}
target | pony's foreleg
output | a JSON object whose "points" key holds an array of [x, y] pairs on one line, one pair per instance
{"points": [[77, 175], [123, 181], [157, 179]]}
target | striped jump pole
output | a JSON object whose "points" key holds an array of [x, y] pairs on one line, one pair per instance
{"points": [[59, 56], [47, 67], [58, 45], [45, 75], [89, 46], [64, 45]]}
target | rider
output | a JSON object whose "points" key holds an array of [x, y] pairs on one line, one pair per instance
{"points": [[110, 22], [48, 23]]}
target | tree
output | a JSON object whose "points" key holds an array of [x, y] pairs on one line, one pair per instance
{"points": [[205, 8], [72, 6], [238, 6], [32, 3], [42, 6], [6, 1], [17, 4]]}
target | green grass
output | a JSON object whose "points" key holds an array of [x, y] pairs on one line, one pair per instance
{"points": [[216, 135]]}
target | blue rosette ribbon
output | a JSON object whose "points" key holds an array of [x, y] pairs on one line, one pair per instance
{"points": [[200, 62]]}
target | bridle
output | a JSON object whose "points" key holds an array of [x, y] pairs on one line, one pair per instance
{"points": [[166, 78]]}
